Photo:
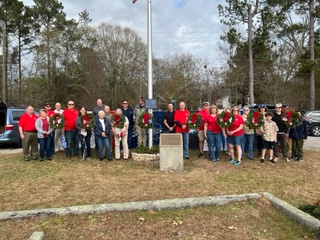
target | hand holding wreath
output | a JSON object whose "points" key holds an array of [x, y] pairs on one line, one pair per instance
{"points": [[56, 121], [118, 121], [225, 119], [291, 119], [87, 121], [145, 120]]}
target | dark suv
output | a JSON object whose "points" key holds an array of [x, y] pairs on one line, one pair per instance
{"points": [[313, 122], [9, 130]]}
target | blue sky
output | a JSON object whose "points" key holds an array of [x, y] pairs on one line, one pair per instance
{"points": [[178, 26]]}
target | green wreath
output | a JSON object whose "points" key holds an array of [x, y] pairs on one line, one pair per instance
{"points": [[225, 119], [194, 121], [145, 120], [255, 120], [87, 121], [291, 119], [56, 121], [118, 121]]}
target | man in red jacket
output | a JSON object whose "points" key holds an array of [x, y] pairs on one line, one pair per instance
{"points": [[70, 115], [204, 113], [28, 134], [180, 119]]}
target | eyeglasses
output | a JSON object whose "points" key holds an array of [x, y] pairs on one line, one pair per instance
{"points": [[71, 104], [245, 109]]}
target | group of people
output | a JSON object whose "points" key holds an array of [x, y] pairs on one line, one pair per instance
{"points": [[240, 138], [36, 130]]}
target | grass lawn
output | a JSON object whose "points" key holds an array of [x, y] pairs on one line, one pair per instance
{"points": [[61, 182]]}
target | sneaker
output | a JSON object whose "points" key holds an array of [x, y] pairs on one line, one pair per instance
{"points": [[88, 158], [272, 161], [218, 159], [232, 160], [49, 158], [237, 163], [41, 159], [200, 155], [262, 160], [213, 160]]}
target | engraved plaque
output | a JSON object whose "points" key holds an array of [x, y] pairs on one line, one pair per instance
{"points": [[170, 139]]}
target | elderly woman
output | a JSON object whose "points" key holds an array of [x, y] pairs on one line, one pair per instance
{"points": [[235, 136], [212, 132], [101, 133], [44, 131], [120, 124]]}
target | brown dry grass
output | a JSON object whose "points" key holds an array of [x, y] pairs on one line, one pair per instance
{"points": [[60, 183]]}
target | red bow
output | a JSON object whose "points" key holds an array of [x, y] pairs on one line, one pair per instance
{"points": [[226, 117], [256, 116], [146, 118]]}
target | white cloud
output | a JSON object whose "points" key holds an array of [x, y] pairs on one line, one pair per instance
{"points": [[191, 26]]}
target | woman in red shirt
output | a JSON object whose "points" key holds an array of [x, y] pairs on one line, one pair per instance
{"points": [[212, 132], [235, 136]]}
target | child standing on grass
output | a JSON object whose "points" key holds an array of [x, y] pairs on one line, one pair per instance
{"points": [[298, 135], [269, 137]]}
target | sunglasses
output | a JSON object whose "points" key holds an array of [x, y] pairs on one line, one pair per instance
{"points": [[48, 106], [125, 103], [71, 104], [245, 109]]}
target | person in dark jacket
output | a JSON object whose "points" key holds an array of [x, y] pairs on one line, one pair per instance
{"points": [[101, 133], [298, 135], [282, 133]]}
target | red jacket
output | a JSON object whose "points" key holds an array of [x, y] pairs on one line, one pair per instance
{"points": [[181, 117]]}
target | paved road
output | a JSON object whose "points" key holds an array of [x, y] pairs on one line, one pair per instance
{"points": [[312, 143]]}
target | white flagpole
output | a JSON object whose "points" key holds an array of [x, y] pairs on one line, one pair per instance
{"points": [[149, 25]]}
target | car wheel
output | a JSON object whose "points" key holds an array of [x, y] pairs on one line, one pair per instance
{"points": [[315, 131]]}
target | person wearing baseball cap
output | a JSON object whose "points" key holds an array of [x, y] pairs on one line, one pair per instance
{"points": [[204, 112], [281, 134]]}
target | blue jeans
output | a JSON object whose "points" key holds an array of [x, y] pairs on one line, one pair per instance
{"points": [[235, 140], [44, 147], [248, 140], [72, 137], [214, 144], [103, 142], [51, 143], [185, 142], [85, 143], [223, 142]]}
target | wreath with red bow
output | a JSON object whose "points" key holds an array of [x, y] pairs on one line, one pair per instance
{"points": [[255, 120], [145, 120], [118, 121], [194, 121], [56, 121], [225, 119], [291, 119], [87, 121]]}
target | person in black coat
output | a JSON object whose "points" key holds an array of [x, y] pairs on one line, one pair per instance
{"points": [[101, 133], [298, 135]]}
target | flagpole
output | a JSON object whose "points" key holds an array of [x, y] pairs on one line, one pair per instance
{"points": [[149, 26]]}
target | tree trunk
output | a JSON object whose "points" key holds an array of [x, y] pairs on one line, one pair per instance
{"points": [[251, 77], [311, 47]]}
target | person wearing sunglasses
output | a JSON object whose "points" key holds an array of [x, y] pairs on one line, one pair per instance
{"points": [[70, 115], [128, 112], [235, 136]]}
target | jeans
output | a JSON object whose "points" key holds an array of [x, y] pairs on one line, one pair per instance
{"points": [[223, 142], [281, 138], [185, 142], [214, 144], [85, 143], [51, 143], [72, 137], [44, 147], [103, 142], [248, 140]]}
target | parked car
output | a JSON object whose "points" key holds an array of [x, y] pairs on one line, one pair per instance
{"points": [[9, 130], [313, 122]]}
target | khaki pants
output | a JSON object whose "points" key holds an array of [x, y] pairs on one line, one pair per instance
{"points": [[124, 140], [31, 140], [142, 136]]}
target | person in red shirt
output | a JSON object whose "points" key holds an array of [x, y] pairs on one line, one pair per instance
{"points": [[70, 129], [28, 134], [204, 112], [51, 137], [212, 132], [235, 136], [180, 119]]}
